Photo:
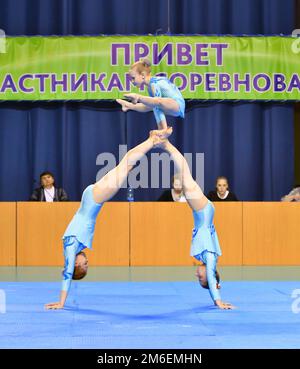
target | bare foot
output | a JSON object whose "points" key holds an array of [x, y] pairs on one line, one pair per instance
{"points": [[160, 137], [124, 104], [157, 141], [163, 133]]}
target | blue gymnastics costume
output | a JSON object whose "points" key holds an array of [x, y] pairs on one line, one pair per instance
{"points": [[79, 233], [163, 87], [205, 245]]}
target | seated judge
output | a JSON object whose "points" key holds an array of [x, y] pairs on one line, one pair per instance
{"points": [[175, 193], [222, 192], [48, 191], [294, 195]]}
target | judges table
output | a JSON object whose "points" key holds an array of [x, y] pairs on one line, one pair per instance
{"points": [[151, 233]]}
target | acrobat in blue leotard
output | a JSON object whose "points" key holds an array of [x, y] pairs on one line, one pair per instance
{"points": [[79, 233], [162, 87], [205, 245]]}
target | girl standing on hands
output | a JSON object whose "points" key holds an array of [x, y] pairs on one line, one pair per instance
{"points": [[79, 233], [205, 244]]}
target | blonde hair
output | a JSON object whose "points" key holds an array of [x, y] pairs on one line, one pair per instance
{"points": [[143, 65]]}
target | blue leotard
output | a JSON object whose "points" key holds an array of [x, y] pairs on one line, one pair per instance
{"points": [[79, 233], [205, 245], [83, 223], [162, 87]]}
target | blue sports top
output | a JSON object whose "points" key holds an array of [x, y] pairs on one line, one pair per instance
{"points": [[163, 87], [204, 233], [82, 225]]}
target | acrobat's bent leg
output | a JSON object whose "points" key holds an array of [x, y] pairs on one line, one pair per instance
{"points": [[168, 105], [126, 105]]}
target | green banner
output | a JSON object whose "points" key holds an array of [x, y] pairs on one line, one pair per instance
{"points": [[203, 67]]}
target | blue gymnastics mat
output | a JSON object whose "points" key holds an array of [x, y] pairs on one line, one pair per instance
{"points": [[149, 315]]}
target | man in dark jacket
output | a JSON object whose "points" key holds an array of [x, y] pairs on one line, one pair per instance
{"points": [[47, 191]]}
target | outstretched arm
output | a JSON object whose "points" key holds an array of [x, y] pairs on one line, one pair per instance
{"points": [[70, 252], [149, 101], [155, 103], [211, 266]]}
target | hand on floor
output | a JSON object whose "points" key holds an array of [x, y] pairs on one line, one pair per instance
{"points": [[224, 305], [54, 306]]}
